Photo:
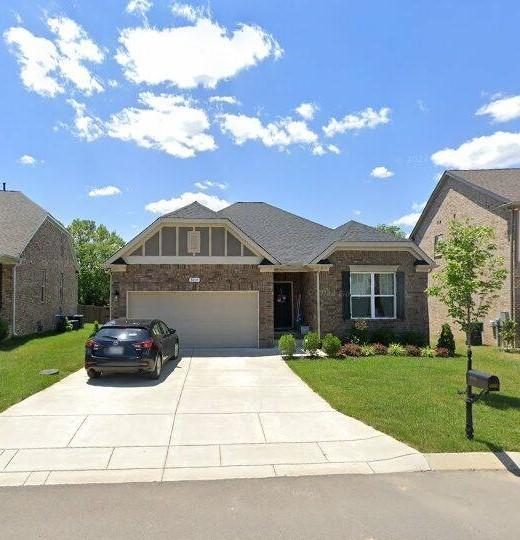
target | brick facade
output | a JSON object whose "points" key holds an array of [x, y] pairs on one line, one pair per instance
{"points": [[416, 312], [49, 252], [454, 201], [214, 277], [6, 294]]}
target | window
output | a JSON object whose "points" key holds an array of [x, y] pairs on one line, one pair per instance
{"points": [[42, 286], [372, 295], [438, 238]]}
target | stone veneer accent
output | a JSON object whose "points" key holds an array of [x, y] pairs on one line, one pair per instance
{"points": [[456, 202], [44, 252], [416, 312], [214, 277]]}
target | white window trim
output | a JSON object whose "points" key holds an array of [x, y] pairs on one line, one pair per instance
{"points": [[373, 297]]}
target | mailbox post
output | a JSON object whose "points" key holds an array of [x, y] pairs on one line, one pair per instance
{"points": [[486, 382]]}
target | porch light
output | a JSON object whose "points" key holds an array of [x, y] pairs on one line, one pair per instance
{"points": [[116, 295]]}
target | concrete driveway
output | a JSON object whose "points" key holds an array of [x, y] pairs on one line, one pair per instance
{"points": [[214, 414]]}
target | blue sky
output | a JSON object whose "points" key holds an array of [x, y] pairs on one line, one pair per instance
{"points": [[139, 101]]}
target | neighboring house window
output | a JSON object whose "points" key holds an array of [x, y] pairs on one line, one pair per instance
{"points": [[62, 282], [372, 295], [438, 238], [42, 286]]}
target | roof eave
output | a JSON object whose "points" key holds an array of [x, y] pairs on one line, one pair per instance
{"points": [[8, 259]]}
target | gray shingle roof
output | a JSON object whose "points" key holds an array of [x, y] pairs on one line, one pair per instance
{"points": [[20, 218], [195, 210], [502, 182]]}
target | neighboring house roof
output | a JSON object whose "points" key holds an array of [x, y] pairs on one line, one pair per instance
{"points": [[20, 218], [288, 239], [500, 185]]}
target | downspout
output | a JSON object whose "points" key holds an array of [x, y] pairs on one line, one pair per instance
{"points": [[318, 302], [14, 300]]}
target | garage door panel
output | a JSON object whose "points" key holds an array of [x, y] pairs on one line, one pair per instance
{"points": [[202, 319]]}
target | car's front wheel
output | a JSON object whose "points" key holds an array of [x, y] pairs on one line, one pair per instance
{"points": [[156, 373], [93, 374], [176, 351]]}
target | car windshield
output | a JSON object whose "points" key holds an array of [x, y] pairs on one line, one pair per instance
{"points": [[123, 334]]}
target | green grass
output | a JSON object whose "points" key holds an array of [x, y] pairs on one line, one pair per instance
{"points": [[22, 358], [417, 400]]}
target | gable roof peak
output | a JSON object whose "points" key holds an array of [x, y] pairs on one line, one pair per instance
{"points": [[195, 210]]}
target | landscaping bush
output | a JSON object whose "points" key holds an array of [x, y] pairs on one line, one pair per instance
{"points": [[413, 350], [508, 333], [442, 352], [396, 349], [359, 333], [287, 345], [380, 349], [4, 330], [95, 330], [446, 339], [311, 343], [384, 336], [413, 338], [368, 350], [350, 349], [427, 352], [331, 344]]}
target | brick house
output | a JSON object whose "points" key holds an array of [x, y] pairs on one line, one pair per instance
{"points": [[38, 269], [240, 276], [484, 197]]}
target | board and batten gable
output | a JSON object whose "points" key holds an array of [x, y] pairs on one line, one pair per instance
{"points": [[455, 201]]}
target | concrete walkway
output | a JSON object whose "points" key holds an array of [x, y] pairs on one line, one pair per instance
{"points": [[225, 414]]}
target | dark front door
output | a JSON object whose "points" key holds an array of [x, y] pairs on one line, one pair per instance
{"points": [[283, 305]]}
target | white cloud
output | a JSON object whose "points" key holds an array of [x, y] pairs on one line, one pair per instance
{"points": [[207, 184], [501, 149], [356, 212], [307, 110], [190, 13], [200, 54], [105, 191], [86, 126], [46, 66], [169, 205], [138, 7], [166, 122], [319, 149], [282, 133], [367, 118], [333, 149], [502, 110], [381, 172], [113, 83], [230, 100], [409, 220], [26, 159]]}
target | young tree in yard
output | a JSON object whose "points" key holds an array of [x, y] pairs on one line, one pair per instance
{"points": [[94, 244], [468, 282], [392, 229]]}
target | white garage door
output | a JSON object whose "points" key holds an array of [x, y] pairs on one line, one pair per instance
{"points": [[202, 319]]}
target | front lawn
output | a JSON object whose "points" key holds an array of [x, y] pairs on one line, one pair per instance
{"points": [[417, 400], [22, 358]]}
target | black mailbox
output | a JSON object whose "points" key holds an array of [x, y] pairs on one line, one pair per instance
{"points": [[479, 379]]}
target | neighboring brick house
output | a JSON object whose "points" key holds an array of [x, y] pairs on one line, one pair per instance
{"points": [[484, 197], [240, 276], [38, 269]]}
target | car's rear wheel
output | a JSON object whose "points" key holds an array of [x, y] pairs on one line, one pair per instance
{"points": [[176, 351], [93, 374], [156, 373]]}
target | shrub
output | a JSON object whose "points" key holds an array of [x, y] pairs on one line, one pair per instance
{"points": [[413, 338], [427, 352], [350, 349], [96, 328], [311, 343], [331, 344], [442, 352], [413, 350], [359, 333], [380, 349], [446, 339], [287, 345], [384, 336], [396, 349], [368, 350], [4, 329], [507, 332]]}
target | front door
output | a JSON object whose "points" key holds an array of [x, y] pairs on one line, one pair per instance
{"points": [[283, 309]]}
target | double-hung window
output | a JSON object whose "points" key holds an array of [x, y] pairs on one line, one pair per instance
{"points": [[372, 295]]}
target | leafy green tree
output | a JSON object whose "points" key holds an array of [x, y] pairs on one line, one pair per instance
{"points": [[94, 244], [392, 229]]}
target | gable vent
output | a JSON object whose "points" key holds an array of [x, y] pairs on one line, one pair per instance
{"points": [[193, 242]]}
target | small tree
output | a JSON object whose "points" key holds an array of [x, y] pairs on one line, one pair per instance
{"points": [[468, 283], [392, 229], [508, 333], [446, 339]]}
